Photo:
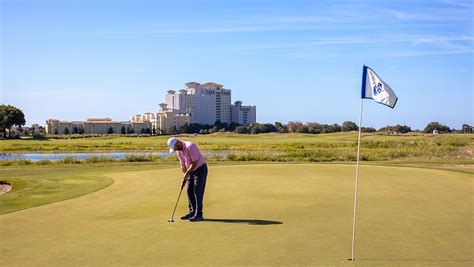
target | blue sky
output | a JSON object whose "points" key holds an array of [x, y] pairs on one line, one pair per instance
{"points": [[296, 60]]}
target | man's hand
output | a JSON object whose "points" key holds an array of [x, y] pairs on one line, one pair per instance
{"points": [[185, 179]]}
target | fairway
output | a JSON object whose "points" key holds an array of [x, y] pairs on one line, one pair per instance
{"points": [[262, 214]]}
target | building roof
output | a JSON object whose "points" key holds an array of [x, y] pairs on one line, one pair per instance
{"points": [[99, 119], [192, 83], [104, 122], [212, 85]]}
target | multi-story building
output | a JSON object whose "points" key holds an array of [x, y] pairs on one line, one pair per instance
{"points": [[35, 128], [96, 126], [466, 128], [166, 121], [170, 120], [243, 114], [205, 103]]}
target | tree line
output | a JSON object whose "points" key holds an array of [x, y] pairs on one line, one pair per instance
{"points": [[11, 116], [299, 127]]}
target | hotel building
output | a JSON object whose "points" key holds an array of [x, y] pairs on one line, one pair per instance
{"points": [[207, 103]]}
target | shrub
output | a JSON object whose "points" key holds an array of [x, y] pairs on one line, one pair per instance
{"points": [[68, 160]]}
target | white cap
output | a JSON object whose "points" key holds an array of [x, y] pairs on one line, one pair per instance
{"points": [[171, 142]]}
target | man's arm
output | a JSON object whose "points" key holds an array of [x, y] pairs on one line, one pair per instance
{"points": [[188, 171], [181, 163]]}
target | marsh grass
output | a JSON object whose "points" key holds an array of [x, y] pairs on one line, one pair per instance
{"points": [[263, 147]]}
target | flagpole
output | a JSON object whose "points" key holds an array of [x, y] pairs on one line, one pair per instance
{"points": [[357, 181]]}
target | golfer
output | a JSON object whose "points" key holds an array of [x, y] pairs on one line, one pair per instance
{"points": [[194, 168]]}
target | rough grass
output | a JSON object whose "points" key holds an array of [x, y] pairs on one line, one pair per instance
{"points": [[270, 147], [228, 141], [265, 214]]}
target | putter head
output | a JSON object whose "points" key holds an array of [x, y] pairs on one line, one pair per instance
{"points": [[170, 220]]}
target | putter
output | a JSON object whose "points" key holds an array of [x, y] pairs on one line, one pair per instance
{"points": [[172, 216]]}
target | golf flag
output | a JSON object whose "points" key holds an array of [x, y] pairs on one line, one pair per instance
{"points": [[375, 88]]}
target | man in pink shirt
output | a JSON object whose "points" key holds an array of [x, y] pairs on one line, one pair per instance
{"points": [[194, 168]]}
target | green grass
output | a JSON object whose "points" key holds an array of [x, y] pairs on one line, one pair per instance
{"points": [[263, 214], [36, 186], [277, 147]]}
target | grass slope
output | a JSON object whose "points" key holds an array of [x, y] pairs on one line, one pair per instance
{"points": [[274, 214]]}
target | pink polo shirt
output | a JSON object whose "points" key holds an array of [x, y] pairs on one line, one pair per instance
{"points": [[189, 154]]}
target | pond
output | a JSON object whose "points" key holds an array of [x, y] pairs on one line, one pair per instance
{"points": [[82, 156], [79, 156]]}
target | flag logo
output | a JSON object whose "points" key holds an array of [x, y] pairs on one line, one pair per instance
{"points": [[378, 89]]}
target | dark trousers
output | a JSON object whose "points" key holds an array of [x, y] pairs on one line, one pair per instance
{"points": [[196, 184]]}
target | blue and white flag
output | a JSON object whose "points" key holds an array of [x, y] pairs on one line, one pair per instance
{"points": [[375, 88]]}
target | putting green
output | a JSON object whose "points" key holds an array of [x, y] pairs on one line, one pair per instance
{"points": [[269, 214]]}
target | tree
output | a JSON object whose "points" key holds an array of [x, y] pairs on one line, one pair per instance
{"points": [[314, 127], [269, 128], [41, 130], [404, 128], [293, 125], [278, 125], [26, 132], [39, 133], [10, 116], [368, 130], [122, 130], [218, 124], [110, 130], [148, 131], [396, 129], [281, 128], [302, 129], [348, 126], [185, 129], [75, 130], [232, 126], [241, 130], [66, 131], [336, 128], [255, 129], [436, 126], [214, 129]]}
